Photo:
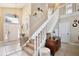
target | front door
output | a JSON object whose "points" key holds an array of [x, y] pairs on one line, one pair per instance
{"points": [[11, 31]]}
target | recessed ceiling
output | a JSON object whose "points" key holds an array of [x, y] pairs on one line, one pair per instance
{"points": [[13, 5]]}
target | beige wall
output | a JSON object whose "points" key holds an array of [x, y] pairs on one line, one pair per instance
{"points": [[26, 12], [3, 12], [37, 20], [1, 29], [27, 17]]}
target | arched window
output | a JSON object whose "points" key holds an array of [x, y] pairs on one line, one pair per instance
{"points": [[11, 18]]}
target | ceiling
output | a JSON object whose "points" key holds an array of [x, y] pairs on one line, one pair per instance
{"points": [[21, 5], [55, 5], [51, 5], [13, 5]]}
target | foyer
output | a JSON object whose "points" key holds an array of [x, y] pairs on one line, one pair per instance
{"points": [[39, 29]]}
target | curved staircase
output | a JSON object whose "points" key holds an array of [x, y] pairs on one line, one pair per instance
{"points": [[37, 40]]}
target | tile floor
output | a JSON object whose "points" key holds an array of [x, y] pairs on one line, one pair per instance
{"points": [[11, 49], [68, 50]]}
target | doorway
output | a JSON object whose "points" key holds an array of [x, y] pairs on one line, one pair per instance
{"points": [[64, 31], [11, 28]]}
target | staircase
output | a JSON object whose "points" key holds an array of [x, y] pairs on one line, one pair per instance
{"points": [[37, 40], [47, 27], [29, 48], [39, 36]]}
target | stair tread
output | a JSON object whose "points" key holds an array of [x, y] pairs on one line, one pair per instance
{"points": [[29, 50], [30, 45]]}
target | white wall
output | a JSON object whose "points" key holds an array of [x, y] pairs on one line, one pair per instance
{"points": [[74, 31]]}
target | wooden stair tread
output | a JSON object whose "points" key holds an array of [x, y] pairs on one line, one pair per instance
{"points": [[30, 45], [28, 50]]}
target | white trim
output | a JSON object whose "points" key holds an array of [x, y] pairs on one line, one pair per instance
{"points": [[73, 43]]}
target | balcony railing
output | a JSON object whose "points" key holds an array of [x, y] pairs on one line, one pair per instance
{"points": [[68, 9]]}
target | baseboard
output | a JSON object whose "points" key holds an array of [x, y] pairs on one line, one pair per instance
{"points": [[71, 43], [65, 42], [76, 44]]}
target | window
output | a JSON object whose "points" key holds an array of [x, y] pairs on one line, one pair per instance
{"points": [[68, 8], [11, 18], [77, 7]]}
